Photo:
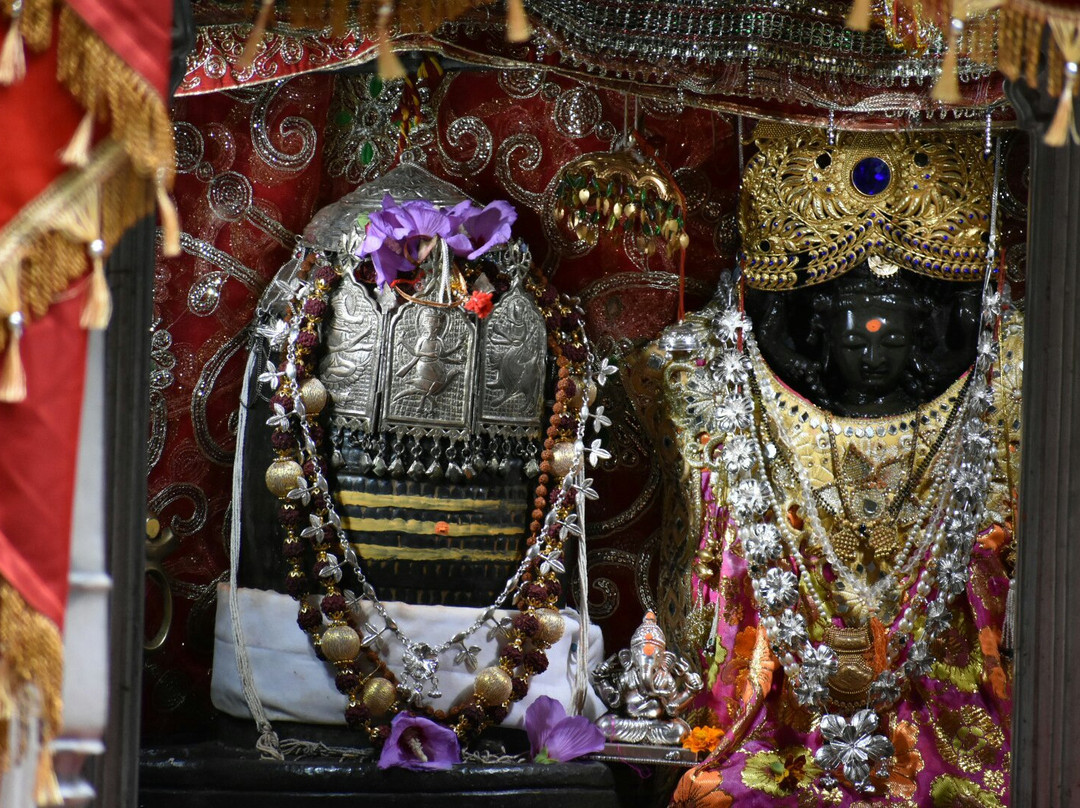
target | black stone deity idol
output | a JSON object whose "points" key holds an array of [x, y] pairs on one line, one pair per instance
{"points": [[873, 342]]}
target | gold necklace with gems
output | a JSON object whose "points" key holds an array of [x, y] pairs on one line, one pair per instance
{"points": [[308, 514]]}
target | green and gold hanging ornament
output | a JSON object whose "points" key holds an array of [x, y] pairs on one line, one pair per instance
{"points": [[621, 193]]}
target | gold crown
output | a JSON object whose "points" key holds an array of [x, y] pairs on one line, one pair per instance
{"points": [[811, 210]]}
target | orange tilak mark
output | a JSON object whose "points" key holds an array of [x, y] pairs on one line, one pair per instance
{"points": [[441, 528], [873, 326]]}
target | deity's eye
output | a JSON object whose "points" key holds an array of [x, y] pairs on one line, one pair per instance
{"points": [[853, 339], [823, 161], [922, 160]]}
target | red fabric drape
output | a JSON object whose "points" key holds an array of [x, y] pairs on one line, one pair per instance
{"points": [[37, 119], [40, 439]]}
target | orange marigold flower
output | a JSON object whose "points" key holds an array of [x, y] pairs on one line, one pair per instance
{"points": [[702, 739]]}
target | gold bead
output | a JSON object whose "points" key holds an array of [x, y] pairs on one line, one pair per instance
{"points": [[340, 644], [379, 696], [583, 195], [616, 209], [585, 392], [562, 458], [552, 626], [684, 239], [493, 686], [314, 396], [630, 209], [281, 476]]}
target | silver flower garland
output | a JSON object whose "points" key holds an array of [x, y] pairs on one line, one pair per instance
{"points": [[934, 561]]}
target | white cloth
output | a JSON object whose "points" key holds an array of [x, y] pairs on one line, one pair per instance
{"points": [[294, 685]]}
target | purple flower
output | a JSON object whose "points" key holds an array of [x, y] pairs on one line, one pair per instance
{"points": [[555, 737], [399, 237], [483, 228], [417, 743]]}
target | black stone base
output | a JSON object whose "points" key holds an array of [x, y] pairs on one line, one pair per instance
{"points": [[212, 775], [228, 772]]}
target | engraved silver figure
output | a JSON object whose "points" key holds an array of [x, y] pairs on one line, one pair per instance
{"points": [[431, 370]]}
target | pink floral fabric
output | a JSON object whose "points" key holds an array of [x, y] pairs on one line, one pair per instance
{"points": [[950, 731]]}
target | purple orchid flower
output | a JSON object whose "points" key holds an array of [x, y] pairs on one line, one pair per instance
{"points": [[399, 237], [383, 242], [484, 228], [419, 744], [555, 737]]}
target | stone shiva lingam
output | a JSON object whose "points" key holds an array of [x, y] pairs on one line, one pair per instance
{"points": [[646, 687]]}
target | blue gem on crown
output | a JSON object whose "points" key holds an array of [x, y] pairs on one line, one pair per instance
{"points": [[871, 176]]}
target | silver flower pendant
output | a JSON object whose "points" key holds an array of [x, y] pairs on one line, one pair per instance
{"points": [[853, 748]]}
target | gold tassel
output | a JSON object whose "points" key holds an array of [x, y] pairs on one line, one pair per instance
{"points": [[12, 374], [389, 64], [517, 21], [947, 88], [858, 18], [12, 55], [251, 46], [77, 151], [48, 787], [98, 307], [1033, 32], [170, 222], [1063, 123], [1067, 38], [7, 704]]}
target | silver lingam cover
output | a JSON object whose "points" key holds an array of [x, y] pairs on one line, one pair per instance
{"points": [[435, 413]]}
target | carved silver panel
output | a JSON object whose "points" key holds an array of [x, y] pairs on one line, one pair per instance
{"points": [[515, 341], [431, 368], [350, 368]]}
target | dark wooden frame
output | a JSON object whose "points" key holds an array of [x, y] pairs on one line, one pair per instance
{"points": [[127, 370]]}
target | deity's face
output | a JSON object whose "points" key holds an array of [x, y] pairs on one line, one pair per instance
{"points": [[871, 342]]}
